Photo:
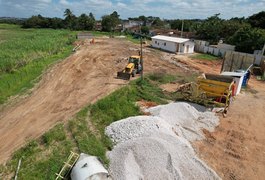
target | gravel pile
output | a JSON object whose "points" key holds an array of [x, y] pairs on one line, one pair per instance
{"points": [[158, 147], [186, 119]]}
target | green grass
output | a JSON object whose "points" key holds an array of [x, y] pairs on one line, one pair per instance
{"points": [[86, 141], [208, 57], [44, 157], [25, 53], [162, 78]]}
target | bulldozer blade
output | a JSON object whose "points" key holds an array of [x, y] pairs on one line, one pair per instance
{"points": [[122, 75]]}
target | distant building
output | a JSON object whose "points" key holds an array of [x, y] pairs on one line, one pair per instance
{"points": [[132, 25], [84, 35], [173, 44], [98, 26]]}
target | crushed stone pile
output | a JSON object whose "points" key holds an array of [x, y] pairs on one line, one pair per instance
{"points": [[158, 146]]}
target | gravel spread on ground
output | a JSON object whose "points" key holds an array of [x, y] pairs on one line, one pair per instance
{"points": [[158, 146]]}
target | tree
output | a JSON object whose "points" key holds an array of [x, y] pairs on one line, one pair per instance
{"points": [[56, 23], [176, 24], [143, 19], [70, 19], [257, 20], [211, 29], [248, 39], [36, 22], [85, 22], [68, 13], [106, 23], [109, 22], [115, 18], [230, 27], [158, 22], [91, 16], [144, 29]]}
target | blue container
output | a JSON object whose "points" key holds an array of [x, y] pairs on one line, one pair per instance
{"points": [[246, 78]]}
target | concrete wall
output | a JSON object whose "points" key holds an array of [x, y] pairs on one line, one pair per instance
{"points": [[237, 60], [220, 50]]}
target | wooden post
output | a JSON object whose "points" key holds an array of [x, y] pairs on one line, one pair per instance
{"points": [[141, 57], [242, 61], [182, 28], [18, 167], [232, 62], [222, 68]]}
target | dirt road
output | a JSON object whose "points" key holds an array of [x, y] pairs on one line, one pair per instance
{"points": [[236, 150], [81, 79]]}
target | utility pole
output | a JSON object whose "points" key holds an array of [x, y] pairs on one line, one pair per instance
{"points": [[182, 28], [262, 51], [141, 57]]}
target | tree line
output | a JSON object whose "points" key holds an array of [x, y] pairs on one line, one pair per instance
{"points": [[83, 22], [247, 34]]}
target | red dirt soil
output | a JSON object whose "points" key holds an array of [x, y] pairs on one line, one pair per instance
{"points": [[236, 150], [83, 78]]}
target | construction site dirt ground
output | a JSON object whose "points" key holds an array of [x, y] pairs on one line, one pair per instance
{"points": [[236, 150], [81, 79]]}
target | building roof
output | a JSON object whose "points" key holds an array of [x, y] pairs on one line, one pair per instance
{"points": [[171, 39]]}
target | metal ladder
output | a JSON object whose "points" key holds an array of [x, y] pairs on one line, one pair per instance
{"points": [[68, 165]]}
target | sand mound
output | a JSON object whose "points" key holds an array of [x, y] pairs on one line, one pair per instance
{"points": [[157, 146]]}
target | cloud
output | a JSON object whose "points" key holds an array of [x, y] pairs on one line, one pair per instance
{"points": [[170, 9], [64, 2]]}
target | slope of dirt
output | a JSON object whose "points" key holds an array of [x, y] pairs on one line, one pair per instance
{"points": [[205, 66], [188, 63], [81, 79], [236, 150]]}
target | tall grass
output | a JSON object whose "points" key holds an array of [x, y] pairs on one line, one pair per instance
{"points": [[26, 53]]}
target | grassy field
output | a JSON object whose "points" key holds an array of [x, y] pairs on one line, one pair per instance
{"points": [[42, 158], [208, 57], [25, 53]]}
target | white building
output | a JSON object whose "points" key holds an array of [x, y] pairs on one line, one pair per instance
{"points": [[173, 44]]}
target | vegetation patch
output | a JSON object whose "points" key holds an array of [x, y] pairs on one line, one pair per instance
{"points": [[161, 78], [208, 57], [25, 53], [42, 158]]}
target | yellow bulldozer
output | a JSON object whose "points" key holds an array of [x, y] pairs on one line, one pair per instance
{"points": [[133, 67]]}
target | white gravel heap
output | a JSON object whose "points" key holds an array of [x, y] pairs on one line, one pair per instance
{"points": [[158, 147]]}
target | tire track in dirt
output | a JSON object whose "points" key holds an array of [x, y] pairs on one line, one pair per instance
{"points": [[83, 78]]}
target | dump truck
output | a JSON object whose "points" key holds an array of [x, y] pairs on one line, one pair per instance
{"points": [[133, 67]]}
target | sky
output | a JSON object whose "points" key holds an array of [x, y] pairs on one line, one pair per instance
{"points": [[167, 9]]}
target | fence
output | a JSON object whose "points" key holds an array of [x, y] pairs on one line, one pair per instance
{"points": [[232, 60], [210, 50]]}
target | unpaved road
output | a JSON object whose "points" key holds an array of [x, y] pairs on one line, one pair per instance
{"points": [[81, 79], [236, 150]]}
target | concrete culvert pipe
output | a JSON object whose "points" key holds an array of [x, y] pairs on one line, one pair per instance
{"points": [[89, 168]]}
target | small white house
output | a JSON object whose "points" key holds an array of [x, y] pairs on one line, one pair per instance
{"points": [[173, 44]]}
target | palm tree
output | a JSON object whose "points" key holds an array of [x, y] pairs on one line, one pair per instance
{"points": [[68, 13]]}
